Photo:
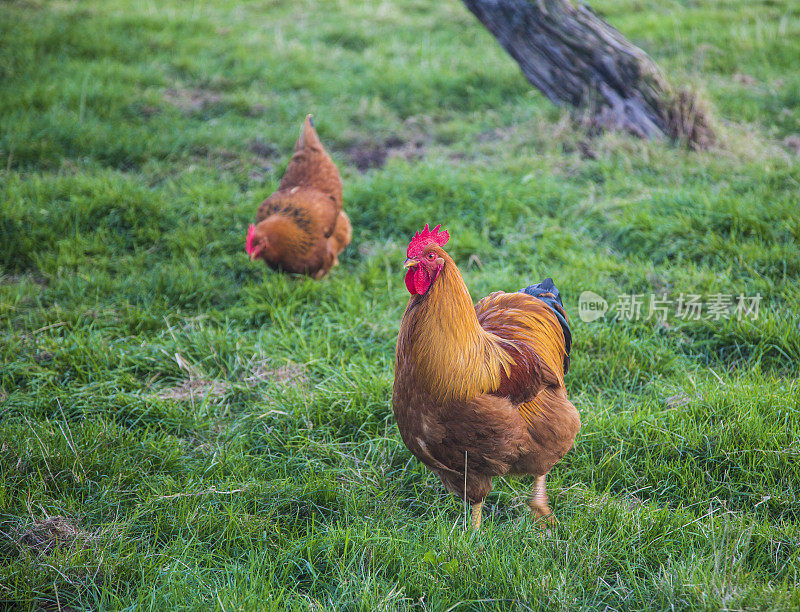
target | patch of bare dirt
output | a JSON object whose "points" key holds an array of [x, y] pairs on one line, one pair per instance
{"points": [[191, 100], [370, 153], [366, 156], [263, 149], [744, 79], [54, 532], [369, 156], [792, 143]]}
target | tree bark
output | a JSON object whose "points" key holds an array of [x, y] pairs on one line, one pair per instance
{"points": [[575, 58]]}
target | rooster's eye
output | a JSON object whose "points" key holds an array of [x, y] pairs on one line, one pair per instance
{"points": [[431, 255]]}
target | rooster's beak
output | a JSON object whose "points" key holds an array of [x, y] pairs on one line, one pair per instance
{"points": [[410, 263]]}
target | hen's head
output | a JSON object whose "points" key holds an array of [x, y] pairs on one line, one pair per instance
{"points": [[257, 243], [424, 259]]}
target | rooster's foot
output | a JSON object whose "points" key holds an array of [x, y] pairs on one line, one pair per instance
{"points": [[477, 510]]}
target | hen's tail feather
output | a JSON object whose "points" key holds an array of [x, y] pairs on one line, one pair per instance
{"points": [[311, 166], [308, 136], [547, 292]]}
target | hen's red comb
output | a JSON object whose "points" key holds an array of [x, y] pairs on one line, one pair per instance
{"points": [[251, 236], [421, 239]]}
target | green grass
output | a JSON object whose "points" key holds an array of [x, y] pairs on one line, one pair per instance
{"points": [[136, 141]]}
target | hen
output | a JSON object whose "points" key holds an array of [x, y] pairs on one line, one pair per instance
{"points": [[479, 390], [301, 227]]}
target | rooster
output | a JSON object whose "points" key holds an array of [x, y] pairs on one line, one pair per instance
{"points": [[479, 390], [301, 227]]}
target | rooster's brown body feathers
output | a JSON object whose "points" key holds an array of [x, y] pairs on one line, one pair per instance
{"points": [[479, 391]]}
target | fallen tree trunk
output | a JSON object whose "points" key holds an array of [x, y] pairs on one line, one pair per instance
{"points": [[575, 58]]}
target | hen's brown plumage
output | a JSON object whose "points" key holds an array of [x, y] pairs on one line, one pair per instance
{"points": [[301, 227], [479, 391]]}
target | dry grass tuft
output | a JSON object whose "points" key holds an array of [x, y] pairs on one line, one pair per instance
{"points": [[198, 387], [678, 400], [54, 532], [688, 121], [195, 388], [291, 375]]}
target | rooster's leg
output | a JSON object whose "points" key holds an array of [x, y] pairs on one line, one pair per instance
{"points": [[476, 515], [538, 501]]}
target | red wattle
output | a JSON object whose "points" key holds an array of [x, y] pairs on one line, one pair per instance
{"points": [[410, 281], [418, 281]]}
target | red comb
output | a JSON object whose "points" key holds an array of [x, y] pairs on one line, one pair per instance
{"points": [[421, 239], [251, 236]]}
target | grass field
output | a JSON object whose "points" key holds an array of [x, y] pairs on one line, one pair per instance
{"points": [[182, 429]]}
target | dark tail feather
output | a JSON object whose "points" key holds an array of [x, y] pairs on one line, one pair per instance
{"points": [[549, 294]]}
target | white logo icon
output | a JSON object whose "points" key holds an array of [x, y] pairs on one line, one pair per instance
{"points": [[591, 306]]}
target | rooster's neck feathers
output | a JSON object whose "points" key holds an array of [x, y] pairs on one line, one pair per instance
{"points": [[453, 357]]}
